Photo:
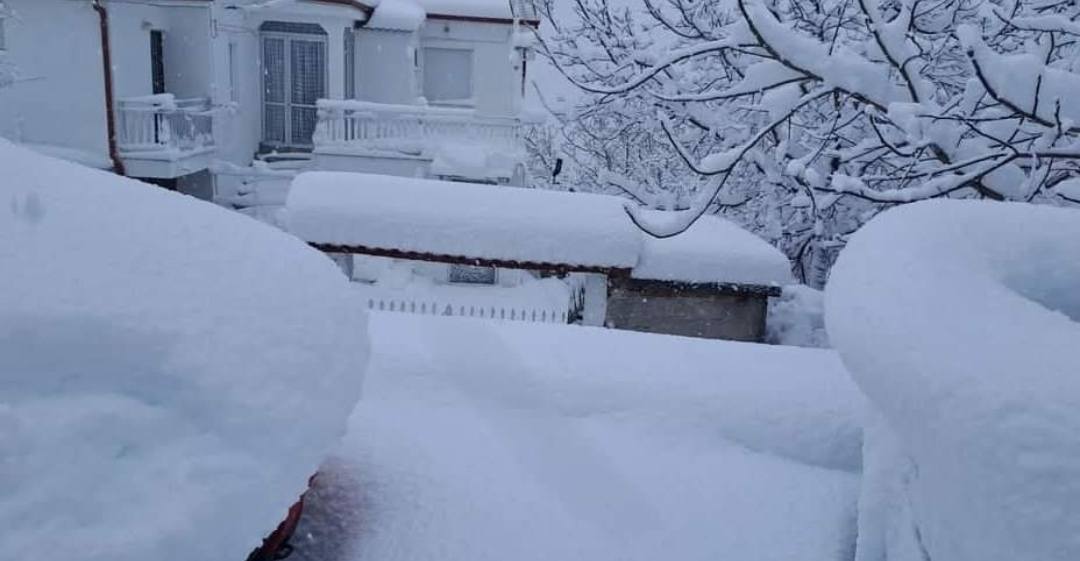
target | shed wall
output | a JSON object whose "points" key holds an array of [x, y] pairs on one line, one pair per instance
{"points": [[698, 313]]}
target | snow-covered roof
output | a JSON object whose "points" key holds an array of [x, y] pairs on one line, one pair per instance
{"points": [[464, 221], [496, 10], [712, 250], [400, 15], [171, 373]]}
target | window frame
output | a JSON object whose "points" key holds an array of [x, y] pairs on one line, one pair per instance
{"points": [[469, 101], [3, 27], [287, 32], [460, 274]]}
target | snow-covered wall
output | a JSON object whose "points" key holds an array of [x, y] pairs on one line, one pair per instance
{"points": [[390, 63], [187, 60], [385, 66], [496, 68], [60, 97], [960, 320], [56, 44]]}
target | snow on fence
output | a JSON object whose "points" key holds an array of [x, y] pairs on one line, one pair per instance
{"points": [[376, 125], [960, 320], [164, 123], [434, 308]]}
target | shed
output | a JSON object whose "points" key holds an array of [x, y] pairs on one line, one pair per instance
{"points": [[713, 280]]}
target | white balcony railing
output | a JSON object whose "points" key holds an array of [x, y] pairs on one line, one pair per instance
{"points": [[162, 123], [408, 128]]}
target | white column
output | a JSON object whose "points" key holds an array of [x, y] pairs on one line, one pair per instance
{"points": [[335, 61], [595, 312]]}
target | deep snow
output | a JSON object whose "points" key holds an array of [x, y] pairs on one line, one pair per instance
{"points": [[489, 440], [170, 372], [960, 321]]}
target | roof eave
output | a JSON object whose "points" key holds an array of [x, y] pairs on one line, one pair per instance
{"points": [[481, 19], [363, 7]]}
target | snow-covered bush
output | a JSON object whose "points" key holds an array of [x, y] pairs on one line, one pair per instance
{"points": [[171, 373], [805, 118], [960, 321], [797, 318]]}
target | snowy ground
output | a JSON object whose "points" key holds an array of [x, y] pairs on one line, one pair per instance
{"points": [[486, 440]]}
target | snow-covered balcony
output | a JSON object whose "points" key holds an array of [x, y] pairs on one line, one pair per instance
{"points": [[160, 136], [411, 140]]}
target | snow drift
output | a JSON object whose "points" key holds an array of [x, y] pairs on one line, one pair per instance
{"points": [[959, 320], [481, 440], [171, 373]]}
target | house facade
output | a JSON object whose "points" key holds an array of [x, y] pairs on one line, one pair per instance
{"points": [[228, 99]]}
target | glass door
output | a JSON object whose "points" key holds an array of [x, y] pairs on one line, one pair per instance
{"points": [[294, 79]]}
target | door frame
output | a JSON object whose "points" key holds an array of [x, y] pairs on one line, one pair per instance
{"points": [[287, 38]]}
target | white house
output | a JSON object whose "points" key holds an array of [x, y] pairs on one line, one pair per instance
{"points": [[227, 99]]}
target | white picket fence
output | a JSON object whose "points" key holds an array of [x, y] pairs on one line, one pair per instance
{"points": [[433, 308]]}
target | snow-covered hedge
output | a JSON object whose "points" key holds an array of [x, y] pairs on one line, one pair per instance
{"points": [[961, 322], [171, 373]]}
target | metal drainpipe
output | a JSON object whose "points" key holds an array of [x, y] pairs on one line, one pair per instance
{"points": [[110, 111]]}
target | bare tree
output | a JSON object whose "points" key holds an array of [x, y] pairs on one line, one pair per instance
{"points": [[804, 118]]}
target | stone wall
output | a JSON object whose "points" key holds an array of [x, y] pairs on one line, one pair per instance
{"points": [[711, 311]]}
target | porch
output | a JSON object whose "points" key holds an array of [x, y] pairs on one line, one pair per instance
{"points": [[411, 140], [162, 137]]}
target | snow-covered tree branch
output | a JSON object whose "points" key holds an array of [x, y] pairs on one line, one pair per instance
{"points": [[815, 115]]}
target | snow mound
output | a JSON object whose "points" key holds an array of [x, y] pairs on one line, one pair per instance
{"points": [[797, 318], [713, 249], [959, 320], [171, 373]]}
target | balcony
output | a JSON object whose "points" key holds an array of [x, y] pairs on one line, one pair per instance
{"points": [[160, 136], [406, 139]]}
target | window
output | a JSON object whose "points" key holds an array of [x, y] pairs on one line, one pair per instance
{"points": [[157, 61], [470, 274], [350, 63], [3, 18], [448, 75]]}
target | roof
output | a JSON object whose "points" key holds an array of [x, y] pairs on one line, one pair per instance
{"points": [[714, 249], [486, 11], [413, 218], [450, 222]]}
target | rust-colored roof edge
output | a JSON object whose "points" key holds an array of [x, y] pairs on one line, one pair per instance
{"points": [[478, 19], [558, 268]]}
